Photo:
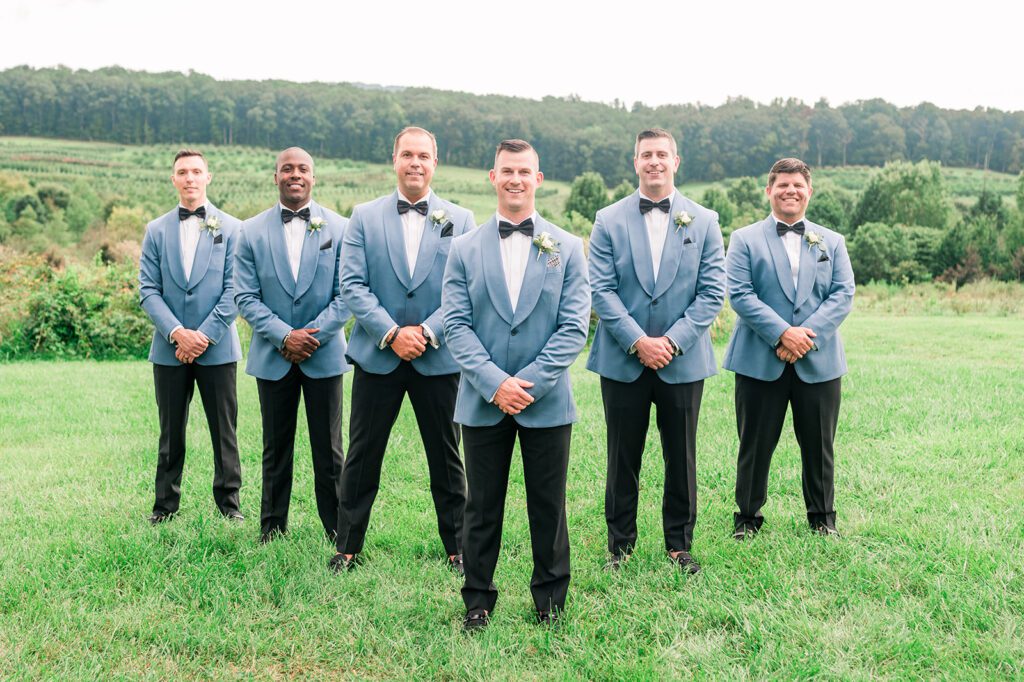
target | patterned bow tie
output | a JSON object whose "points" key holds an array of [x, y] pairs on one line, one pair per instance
{"points": [[646, 205], [505, 229], [288, 214], [783, 228], [404, 206], [185, 214]]}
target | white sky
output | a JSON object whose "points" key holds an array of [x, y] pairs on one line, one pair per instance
{"points": [[955, 55]]}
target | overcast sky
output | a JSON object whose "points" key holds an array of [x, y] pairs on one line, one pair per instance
{"points": [[955, 55]]}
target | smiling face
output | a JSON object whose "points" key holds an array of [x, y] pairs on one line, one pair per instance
{"points": [[190, 178], [516, 176], [789, 195], [656, 163], [294, 177], [414, 160]]}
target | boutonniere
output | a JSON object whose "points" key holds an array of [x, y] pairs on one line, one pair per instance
{"points": [[438, 217], [545, 244], [316, 224], [814, 239], [682, 220], [211, 225]]}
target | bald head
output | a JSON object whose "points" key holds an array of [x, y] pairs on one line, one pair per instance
{"points": [[294, 177]]}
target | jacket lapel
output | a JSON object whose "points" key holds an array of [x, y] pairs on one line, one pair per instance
{"points": [[393, 235], [533, 278], [310, 251], [781, 258], [279, 250], [204, 249], [172, 248], [673, 251], [808, 269], [429, 243], [494, 271], [636, 230]]}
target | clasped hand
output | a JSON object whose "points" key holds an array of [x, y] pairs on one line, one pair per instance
{"points": [[654, 352], [300, 345], [190, 344], [409, 342], [795, 343], [512, 397]]}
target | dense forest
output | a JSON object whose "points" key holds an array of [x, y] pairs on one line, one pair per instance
{"points": [[738, 138]]}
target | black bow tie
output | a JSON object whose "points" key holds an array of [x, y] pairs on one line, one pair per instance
{"points": [[783, 228], [505, 229], [646, 205], [288, 214], [185, 214], [404, 206]]}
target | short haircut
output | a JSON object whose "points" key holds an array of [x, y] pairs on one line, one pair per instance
{"points": [[789, 165], [652, 133], [189, 152], [414, 129], [514, 147]]}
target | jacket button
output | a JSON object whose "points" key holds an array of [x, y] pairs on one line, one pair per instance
{"points": [[189, 292], [298, 301], [515, 331], [410, 295], [655, 302]]}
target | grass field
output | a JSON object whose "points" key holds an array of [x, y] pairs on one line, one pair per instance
{"points": [[926, 581]]}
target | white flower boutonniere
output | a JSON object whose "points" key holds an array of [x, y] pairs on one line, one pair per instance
{"points": [[211, 224], [438, 217], [316, 224], [545, 244], [682, 219], [814, 239]]}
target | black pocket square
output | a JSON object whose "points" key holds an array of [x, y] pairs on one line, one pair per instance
{"points": [[447, 230], [327, 245], [218, 239], [688, 241], [824, 257]]}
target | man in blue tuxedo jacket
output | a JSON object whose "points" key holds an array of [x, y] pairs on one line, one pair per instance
{"points": [[185, 285], [516, 310], [287, 288], [392, 262], [657, 270], [791, 285]]}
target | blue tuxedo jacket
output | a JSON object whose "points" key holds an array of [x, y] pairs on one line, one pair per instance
{"points": [[762, 294], [681, 304], [378, 288], [536, 343], [274, 303], [204, 302]]}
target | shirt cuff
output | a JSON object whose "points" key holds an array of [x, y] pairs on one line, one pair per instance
{"points": [[384, 339], [632, 346], [676, 350], [170, 336], [429, 333]]}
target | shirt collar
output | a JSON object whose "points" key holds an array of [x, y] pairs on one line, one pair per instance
{"points": [[426, 197]]}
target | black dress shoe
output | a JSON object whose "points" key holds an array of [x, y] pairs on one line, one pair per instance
{"points": [[616, 562], [475, 620], [549, 618], [234, 515], [159, 517], [744, 531], [685, 563], [340, 563], [826, 530], [270, 535], [457, 565]]}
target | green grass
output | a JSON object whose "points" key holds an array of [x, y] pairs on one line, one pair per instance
{"points": [[925, 583]]}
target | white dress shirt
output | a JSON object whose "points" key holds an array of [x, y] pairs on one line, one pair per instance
{"points": [[294, 235], [791, 240], [515, 252], [657, 232]]}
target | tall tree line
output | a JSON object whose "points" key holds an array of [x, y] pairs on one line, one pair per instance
{"points": [[737, 138]]}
